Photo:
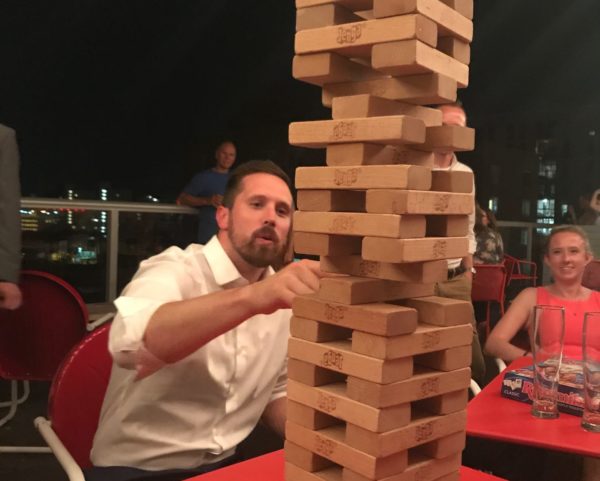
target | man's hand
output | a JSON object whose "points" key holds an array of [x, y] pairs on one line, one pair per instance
{"points": [[216, 200], [10, 296], [278, 291]]}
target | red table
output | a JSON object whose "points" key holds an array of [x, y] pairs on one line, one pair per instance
{"points": [[270, 468], [491, 416]]}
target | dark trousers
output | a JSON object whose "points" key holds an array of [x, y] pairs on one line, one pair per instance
{"points": [[125, 473]]}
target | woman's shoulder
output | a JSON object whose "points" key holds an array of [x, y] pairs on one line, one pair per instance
{"points": [[527, 296]]}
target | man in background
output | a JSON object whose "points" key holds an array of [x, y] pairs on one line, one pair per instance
{"points": [[10, 222], [460, 271], [205, 190]]}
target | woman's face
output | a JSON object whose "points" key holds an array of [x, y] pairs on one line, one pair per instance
{"points": [[567, 256]]}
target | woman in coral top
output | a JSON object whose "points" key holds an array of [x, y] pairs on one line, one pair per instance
{"points": [[567, 253]]}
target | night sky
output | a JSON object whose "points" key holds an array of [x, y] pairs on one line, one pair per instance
{"points": [[137, 93]]}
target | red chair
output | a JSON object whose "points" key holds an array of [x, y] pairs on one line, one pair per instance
{"points": [[489, 281], [520, 270], [35, 338], [591, 275], [75, 401]]}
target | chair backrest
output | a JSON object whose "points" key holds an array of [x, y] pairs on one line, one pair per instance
{"points": [[488, 282], [591, 275], [35, 338], [77, 393]]}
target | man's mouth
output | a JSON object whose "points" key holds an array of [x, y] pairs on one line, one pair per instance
{"points": [[266, 234]]}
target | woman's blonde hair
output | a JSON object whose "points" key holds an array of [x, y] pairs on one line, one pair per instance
{"points": [[572, 229]]}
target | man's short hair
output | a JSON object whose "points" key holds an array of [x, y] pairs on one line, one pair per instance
{"points": [[234, 183]]}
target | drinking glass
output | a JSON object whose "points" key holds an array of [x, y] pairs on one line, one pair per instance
{"points": [[591, 371], [547, 346]]}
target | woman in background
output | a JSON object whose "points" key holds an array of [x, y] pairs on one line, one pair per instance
{"points": [[490, 249]]}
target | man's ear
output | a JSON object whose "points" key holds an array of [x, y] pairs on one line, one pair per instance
{"points": [[222, 217]]}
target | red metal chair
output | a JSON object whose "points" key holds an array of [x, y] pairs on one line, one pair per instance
{"points": [[489, 281], [520, 270], [591, 275], [75, 401], [35, 338]]}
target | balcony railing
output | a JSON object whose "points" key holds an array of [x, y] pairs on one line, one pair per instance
{"points": [[97, 246]]}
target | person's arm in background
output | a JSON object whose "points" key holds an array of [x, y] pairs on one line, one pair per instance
{"points": [[197, 185], [10, 220], [467, 261], [498, 343]]}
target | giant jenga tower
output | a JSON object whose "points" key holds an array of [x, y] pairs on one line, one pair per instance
{"points": [[378, 365]]}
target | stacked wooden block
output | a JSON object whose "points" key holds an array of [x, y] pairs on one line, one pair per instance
{"points": [[378, 365]]}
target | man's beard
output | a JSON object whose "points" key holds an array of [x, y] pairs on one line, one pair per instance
{"points": [[258, 255]]}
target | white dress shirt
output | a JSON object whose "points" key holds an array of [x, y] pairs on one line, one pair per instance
{"points": [[455, 165], [197, 410]]}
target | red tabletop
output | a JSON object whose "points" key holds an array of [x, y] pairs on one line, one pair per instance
{"points": [[270, 468], [489, 415]]}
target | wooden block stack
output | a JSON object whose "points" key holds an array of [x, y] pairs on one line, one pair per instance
{"points": [[378, 365]]}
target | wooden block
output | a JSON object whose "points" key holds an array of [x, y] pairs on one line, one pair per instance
{"points": [[332, 400], [360, 153], [420, 468], [445, 403], [449, 21], [310, 374], [384, 201], [446, 446], [308, 417], [296, 473], [378, 318], [303, 458], [358, 224], [325, 244], [448, 359], [448, 137], [425, 339], [315, 331], [362, 290], [426, 89], [329, 443], [447, 225], [418, 272], [324, 15], [353, 5], [364, 177], [422, 429], [356, 39], [452, 181], [442, 311], [411, 57], [464, 7], [364, 105], [414, 250], [392, 129], [456, 48], [424, 383], [338, 356], [330, 68], [332, 200]]}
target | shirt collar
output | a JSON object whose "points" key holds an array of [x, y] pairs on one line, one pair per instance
{"points": [[223, 269]]}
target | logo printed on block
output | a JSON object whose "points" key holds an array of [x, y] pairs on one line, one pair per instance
{"points": [[369, 267], [334, 313], [343, 130], [424, 432], [326, 403], [430, 386], [441, 203], [430, 339], [439, 248], [333, 359], [349, 34], [345, 177], [323, 446]]}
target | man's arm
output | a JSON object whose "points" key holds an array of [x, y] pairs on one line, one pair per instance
{"points": [[177, 329], [199, 201], [275, 415]]}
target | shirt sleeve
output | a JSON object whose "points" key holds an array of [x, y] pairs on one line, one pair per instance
{"points": [[196, 186], [159, 280]]}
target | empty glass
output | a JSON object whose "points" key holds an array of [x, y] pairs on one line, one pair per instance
{"points": [[546, 347], [591, 371]]}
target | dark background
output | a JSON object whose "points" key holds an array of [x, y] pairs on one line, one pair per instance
{"points": [[137, 93]]}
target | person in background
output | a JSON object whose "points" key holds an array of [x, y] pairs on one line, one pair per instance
{"points": [[199, 343], [490, 249], [588, 215], [205, 190], [567, 254], [10, 220], [460, 271]]}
